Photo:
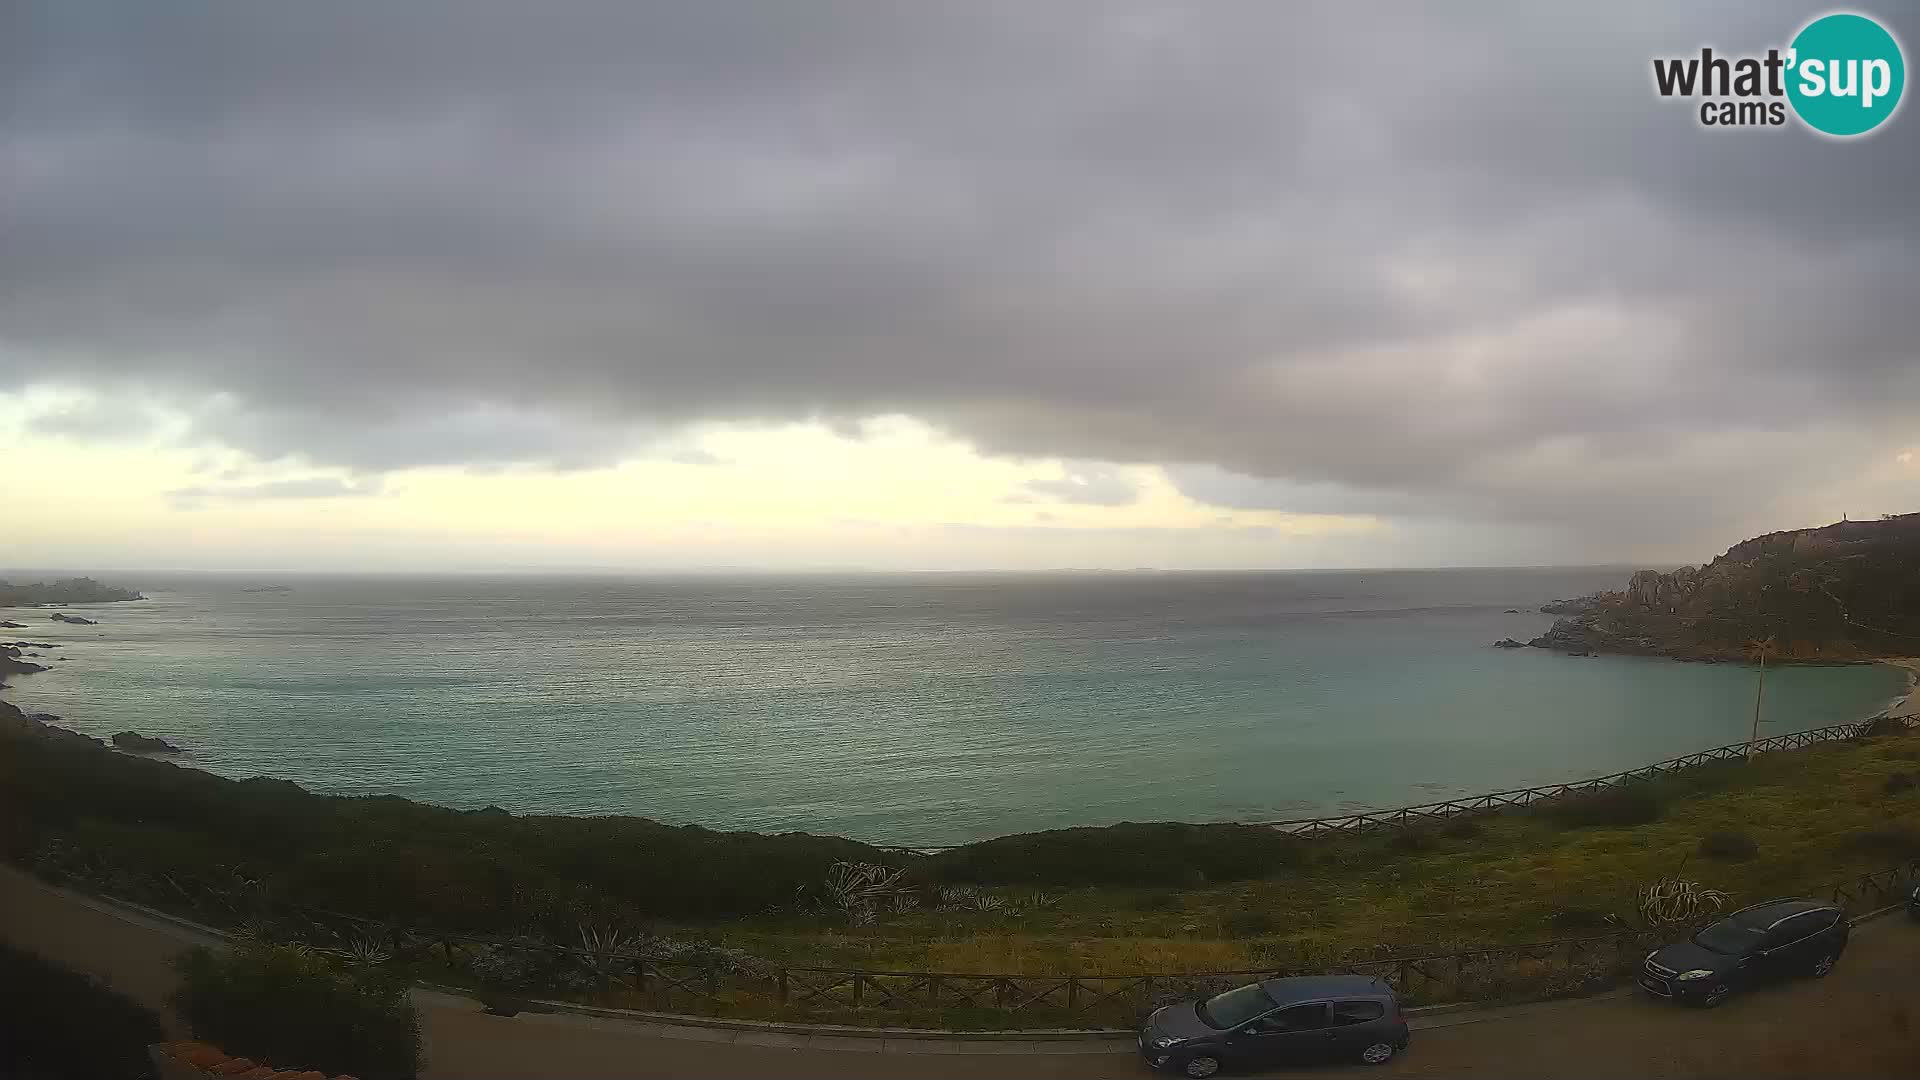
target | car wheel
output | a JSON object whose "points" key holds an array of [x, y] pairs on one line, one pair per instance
{"points": [[1378, 1054], [1824, 965], [1201, 1066]]}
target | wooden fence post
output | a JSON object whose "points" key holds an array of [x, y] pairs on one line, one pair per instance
{"points": [[782, 977]]}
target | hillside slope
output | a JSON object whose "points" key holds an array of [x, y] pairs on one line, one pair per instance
{"points": [[1849, 591]]}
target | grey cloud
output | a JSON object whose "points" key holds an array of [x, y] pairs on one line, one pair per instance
{"points": [[96, 420], [1455, 262], [1087, 486], [312, 488]]}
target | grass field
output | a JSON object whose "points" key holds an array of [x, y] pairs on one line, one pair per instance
{"points": [[1813, 816]]}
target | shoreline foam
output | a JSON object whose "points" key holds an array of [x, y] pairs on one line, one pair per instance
{"points": [[1907, 704]]}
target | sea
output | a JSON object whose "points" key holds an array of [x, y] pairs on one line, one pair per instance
{"points": [[916, 709]]}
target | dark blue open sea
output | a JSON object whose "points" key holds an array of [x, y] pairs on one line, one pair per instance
{"points": [[924, 709]]}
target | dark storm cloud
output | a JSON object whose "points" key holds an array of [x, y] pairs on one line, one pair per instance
{"points": [[1382, 258]]}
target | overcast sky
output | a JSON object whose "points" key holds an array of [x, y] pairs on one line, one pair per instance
{"points": [[886, 284]]}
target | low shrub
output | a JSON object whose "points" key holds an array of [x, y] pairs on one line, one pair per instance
{"points": [[1124, 854], [297, 1009], [1884, 726], [1251, 923], [1899, 782], [57, 1024], [1462, 827], [1156, 900], [1410, 841], [1633, 805], [1734, 846], [1899, 841]]}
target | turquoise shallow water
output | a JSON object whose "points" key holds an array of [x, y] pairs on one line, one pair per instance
{"points": [[924, 709]]}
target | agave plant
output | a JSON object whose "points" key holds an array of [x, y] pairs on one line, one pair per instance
{"points": [[958, 897], [362, 951], [607, 952], [858, 889], [1673, 901]]}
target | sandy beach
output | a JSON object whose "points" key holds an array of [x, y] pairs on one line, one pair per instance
{"points": [[1908, 705]]}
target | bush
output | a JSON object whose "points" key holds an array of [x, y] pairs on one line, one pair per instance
{"points": [[1899, 782], [1251, 923], [1898, 841], [1462, 827], [1735, 846], [1156, 900], [1124, 854], [481, 872], [1410, 841], [1883, 727], [59, 1025], [296, 1009], [1614, 806]]}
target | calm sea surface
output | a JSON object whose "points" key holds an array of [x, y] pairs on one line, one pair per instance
{"points": [[924, 709]]}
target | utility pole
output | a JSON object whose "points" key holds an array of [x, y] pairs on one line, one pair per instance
{"points": [[1761, 648]]}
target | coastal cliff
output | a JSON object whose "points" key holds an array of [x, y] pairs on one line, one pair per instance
{"points": [[1843, 592]]}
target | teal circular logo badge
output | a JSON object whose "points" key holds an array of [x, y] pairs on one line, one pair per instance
{"points": [[1845, 74]]}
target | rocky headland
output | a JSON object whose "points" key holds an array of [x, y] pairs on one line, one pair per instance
{"points": [[1841, 593], [79, 590]]}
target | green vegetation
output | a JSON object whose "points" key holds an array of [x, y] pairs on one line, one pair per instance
{"points": [[1842, 592], [299, 1010], [1126, 899], [57, 1024], [1733, 846]]}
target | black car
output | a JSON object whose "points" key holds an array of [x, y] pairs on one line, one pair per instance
{"points": [[1753, 945], [1319, 1018]]}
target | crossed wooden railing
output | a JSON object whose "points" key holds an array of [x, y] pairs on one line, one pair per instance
{"points": [[723, 983], [732, 984], [1408, 816]]}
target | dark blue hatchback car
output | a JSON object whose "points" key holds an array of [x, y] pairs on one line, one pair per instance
{"points": [[1315, 1019]]}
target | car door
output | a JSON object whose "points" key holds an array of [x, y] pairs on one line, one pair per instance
{"points": [[1294, 1035], [1356, 1025], [1787, 945]]}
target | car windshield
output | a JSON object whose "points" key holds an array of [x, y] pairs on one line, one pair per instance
{"points": [[1235, 1007], [1728, 937]]}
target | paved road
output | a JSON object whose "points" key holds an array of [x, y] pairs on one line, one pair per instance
{"points": [[1863, 1021]]}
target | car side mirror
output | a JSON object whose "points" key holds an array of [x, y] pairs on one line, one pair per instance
{"points": [[1249, 1031]]}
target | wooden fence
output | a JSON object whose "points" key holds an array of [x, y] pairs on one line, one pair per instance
{"points": [[1407, 816], [724, 982]]}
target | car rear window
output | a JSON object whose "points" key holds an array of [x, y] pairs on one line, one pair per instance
{"points": [[1357, 1012], [1729, 938]]}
